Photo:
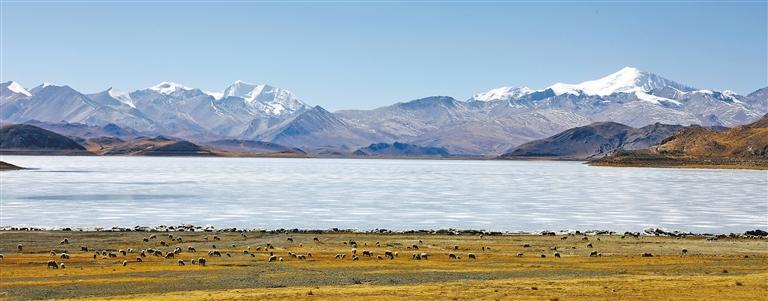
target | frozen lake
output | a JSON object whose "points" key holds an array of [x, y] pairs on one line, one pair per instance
{"points": [[369, 194]]}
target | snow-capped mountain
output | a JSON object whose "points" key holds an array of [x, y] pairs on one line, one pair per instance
{"points": [[503, 93], [490, 122], [265, 98], [626, 80], [168, 88]]}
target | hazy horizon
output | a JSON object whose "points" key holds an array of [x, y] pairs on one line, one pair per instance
{"points": [[366, 55]]}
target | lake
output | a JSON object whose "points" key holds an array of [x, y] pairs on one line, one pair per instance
{"points": [[370, 194]]}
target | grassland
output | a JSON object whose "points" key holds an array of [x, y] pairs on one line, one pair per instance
{"points": [[723, 269]]}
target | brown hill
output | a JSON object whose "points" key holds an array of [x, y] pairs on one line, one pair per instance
{"points": [[742, 145], [158, 146]]}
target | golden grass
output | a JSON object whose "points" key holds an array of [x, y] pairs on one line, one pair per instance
{"points": [[710, 270]]}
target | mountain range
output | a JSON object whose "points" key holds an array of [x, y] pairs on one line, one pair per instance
{"points": [[489, 123]]}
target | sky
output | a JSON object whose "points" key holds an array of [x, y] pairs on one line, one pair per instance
{"points": [[362, 55]]}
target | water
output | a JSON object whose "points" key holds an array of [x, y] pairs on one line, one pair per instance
{"points": [[370, 194]]}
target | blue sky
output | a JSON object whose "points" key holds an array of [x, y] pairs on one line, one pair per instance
{"points": [[364, 55]]}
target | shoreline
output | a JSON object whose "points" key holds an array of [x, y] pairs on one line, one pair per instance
{"points": [[684, 164], [758, 232], [681, 164]]}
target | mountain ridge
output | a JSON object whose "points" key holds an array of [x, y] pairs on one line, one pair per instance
{"points": [[489, 123]]}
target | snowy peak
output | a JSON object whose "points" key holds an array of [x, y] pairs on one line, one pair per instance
{"points": [[244, 90], [123, 97], [16, 88], [168, 88], [626, 80], [273, 100], [503, 93]]}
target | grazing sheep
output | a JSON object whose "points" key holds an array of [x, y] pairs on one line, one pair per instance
{"points": [[415, 247], [52, 264], [316, 239], [589, 245], [143, 253], [84, 248], [389, 254], [378, 244], [367, 253], [379, 257], [158, 253], [121, 251], [451, 256], [94, 256], [340, 256], [280, 259], [138, 259], [229, 255], [272, 258], [301, 257], [646, 254], [553, 248], [290, 239], [64, 242], [64, 256], [163, 243], [472, 256], [354, 251], [564, 238], [194, 261], [519, 254], [169, 255], [20, 247], [125, 262], [557, 255], [543, 256], [593, 254], [214, 253], [180, 262], [455, 248], [177, 250], [146, 239], [112, 254], [685, 251], [355, 258], [62, 266], [130, 250], [526, 246], [201, 261], [178, 239], [252, 255], [53, 252], [233, 245], [309, 254], [395, 253], [215, 237]]}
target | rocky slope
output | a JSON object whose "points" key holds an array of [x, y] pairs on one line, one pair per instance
{"points": [[741, 145], [29, 139], [594, 141]]}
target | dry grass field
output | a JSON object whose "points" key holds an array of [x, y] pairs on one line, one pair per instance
{"points": [[723, 269]]}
